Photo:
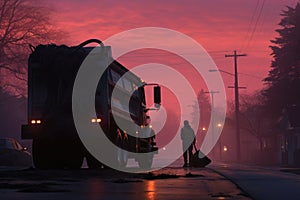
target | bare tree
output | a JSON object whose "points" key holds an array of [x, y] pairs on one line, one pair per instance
{"points": [[22, 22], [254, 118]]}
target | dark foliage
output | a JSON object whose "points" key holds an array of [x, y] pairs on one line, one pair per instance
{"points": [[283, 81]]}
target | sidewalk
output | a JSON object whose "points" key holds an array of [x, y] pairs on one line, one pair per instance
{"points": [[262, 182]]}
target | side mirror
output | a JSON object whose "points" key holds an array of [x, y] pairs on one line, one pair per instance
{"points": [[157, 98]]}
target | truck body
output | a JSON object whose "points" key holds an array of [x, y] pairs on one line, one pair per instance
{"points": [[52, 71]]}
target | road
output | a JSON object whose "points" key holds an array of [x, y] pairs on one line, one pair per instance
{"points": [[262, 183], [169, 183], [217, 181]]}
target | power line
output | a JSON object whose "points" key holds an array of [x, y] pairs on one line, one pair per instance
{"points": [[251, 22], [256, 23]]}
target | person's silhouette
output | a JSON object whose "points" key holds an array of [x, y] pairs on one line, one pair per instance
{"points": [[188, 140]]}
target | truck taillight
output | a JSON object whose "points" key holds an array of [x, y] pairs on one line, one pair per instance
{"points": [[35, 121], [95, 120]]}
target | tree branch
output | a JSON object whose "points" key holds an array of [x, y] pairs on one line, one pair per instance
{"points": [[11, 70]]}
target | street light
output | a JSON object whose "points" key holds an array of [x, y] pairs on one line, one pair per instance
{"points": [[225, 148], [220, 70], [219, 125]]}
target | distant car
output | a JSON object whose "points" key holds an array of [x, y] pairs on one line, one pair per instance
{"points": [[12, 154]]}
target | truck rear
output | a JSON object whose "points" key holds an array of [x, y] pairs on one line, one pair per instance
{"points": [[52, 71]]}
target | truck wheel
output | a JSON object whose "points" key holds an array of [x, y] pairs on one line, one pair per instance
{"points": [[145, 161], [45, 156], [74, 161], [40, 154], [71, 154]]}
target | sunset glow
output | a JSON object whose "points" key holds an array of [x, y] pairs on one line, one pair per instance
{"points": [[219, 26]]}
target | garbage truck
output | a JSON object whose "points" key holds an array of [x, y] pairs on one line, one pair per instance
{"points": [[52, 71]]}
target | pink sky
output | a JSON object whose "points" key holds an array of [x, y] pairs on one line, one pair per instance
{"points": [[219, 26]]}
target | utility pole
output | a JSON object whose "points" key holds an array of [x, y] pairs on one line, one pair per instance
{"points": [[237, 104]]}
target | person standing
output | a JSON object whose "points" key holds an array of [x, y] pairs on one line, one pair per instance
{"points": [[188, 140]]}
